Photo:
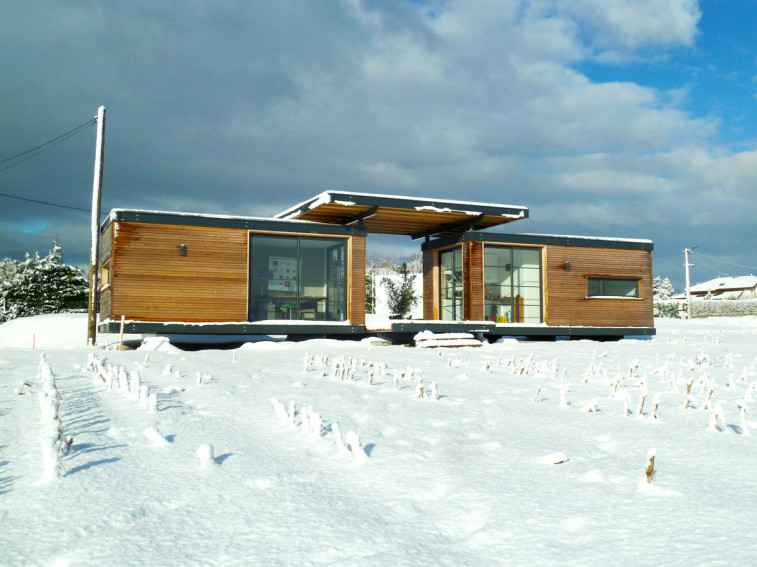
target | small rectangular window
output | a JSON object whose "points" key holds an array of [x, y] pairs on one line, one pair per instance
{"points": [[105, 277], [611, 287]]}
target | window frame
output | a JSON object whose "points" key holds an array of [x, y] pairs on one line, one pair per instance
{"points": [[602, 295]]}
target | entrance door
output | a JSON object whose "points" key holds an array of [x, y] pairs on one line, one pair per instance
{"points": [[512, 284]]}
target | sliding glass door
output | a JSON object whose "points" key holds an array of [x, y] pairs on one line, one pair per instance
{"points": [[297, 278], [512, 284], [451, 284]]}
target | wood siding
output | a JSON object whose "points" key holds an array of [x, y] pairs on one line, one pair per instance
{"points": [[152, 282], [473, 281], [106, 258], [356, 280], [430, 285], [566, 291]]}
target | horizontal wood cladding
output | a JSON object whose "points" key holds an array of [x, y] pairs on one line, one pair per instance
{"points": [[104, 308], [430, 285], [151, 281], [473, 281], [356, 271], [106, 256], [106, 245], [566, 291]]}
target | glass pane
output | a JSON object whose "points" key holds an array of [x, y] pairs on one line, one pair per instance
{"points": [[323, 284], [512, 284], [498, 283], [273, 277], [527, 284], [451, 284], [602, 287]]}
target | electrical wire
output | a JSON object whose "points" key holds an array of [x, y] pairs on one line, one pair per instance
{"points": [[722, 261], [45, 203], [36, 150]]}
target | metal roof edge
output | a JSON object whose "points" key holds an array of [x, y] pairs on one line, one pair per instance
{"points": [[543, 239], [226, 221]]}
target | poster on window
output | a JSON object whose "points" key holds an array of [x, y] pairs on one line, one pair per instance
{"points": [[283, 273]]}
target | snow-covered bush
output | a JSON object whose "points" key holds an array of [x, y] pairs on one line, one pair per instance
{"points": [[723, 308], [37, 286]]}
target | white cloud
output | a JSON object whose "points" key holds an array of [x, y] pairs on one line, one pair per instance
{"points": [[635, 24]]}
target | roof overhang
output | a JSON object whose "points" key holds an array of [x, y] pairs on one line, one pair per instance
{"points": [[411, 216]]}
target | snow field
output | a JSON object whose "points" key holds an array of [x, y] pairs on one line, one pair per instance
{"points": [[502, 468]]}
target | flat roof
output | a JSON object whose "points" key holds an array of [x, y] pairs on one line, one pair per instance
{"points": [[411, 216], [544, 240], [227, 221]]}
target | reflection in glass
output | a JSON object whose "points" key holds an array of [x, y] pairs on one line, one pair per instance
{"points": [[451, 284], [512, 284], [297, 278]]}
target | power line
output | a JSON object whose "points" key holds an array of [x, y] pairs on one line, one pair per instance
{"points": [[43, 147], [724, 262], [45, 203]]}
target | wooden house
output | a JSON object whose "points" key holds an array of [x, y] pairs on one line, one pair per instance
{"points": [[303, 272]]}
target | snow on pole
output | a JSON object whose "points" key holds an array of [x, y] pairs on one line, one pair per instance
{"points": [[338, 437], [121, 333], [316, 424], [280, 411], [155, 436], [741, 404], [292, 411], [419, 390], [353, 441], [206, 454], [152, 403], [97, 186]]}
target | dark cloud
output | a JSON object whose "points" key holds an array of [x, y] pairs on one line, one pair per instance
{"points": [[247, 108]]}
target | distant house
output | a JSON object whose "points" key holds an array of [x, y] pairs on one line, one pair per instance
{"points": [[739, 287]]}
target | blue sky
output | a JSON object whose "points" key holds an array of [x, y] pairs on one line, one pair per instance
{"points": [[717, 75], [621, 118]]}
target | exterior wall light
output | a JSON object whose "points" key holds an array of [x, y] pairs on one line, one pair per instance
{"points": [[182, 250], [567, 266]]}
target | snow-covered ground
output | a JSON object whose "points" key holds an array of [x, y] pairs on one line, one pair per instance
{"points": [[466, 479]]}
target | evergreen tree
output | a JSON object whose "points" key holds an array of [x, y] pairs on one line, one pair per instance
{"points": [[401, 296], [663, 289], [370, 289], [41, 285]]}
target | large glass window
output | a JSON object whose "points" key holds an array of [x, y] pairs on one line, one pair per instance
{"points": [[297, 278], [451, 284], [512, 284], [611, 287]]}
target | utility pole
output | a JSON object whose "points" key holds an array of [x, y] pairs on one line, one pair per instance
{"points": [[686, 252], [97, 187]]}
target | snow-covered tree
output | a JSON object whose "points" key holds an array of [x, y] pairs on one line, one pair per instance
{"points": [[370, 289], [663, 289], [40, 285]]}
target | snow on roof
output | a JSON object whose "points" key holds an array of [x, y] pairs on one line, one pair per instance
{"points": [[578, 237], [726, 283], [113, 215], [338, 197]]}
